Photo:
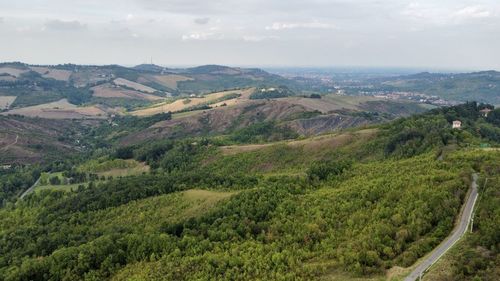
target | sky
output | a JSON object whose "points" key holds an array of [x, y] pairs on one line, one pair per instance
{"points": [[444, 34]]}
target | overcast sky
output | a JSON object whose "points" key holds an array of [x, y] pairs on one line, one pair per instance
{"points": [[429, 33]]}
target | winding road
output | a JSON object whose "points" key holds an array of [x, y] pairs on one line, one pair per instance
{"points": [[458, 232], [29, 190]]}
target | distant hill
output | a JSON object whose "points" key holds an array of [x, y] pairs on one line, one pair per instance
{"points": [[481, 86], [37, 84]]}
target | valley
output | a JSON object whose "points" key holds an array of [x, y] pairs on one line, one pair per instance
{"points": [[221, 173]]}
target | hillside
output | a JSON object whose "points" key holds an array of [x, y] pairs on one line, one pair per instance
{"points": [[253, 203], [27, 140]]}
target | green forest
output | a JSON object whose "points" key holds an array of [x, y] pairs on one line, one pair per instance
{"points": [[258, 203]]}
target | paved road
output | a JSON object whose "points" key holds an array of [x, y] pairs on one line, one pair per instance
{"points": [[29, 190], [458, 232]]}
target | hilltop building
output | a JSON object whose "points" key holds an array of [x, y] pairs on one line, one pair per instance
{"points": [[485, 112], [457, 124]]}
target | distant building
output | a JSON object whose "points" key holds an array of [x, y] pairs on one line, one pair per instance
{"points": [[485, 111], [456, 124]]}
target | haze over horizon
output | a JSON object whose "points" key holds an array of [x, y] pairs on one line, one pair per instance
{"points": [[320, 33]]}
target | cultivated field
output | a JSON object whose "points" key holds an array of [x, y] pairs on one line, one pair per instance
{"points": [[169, 80], [16, 72], [133, 85], [330, 102], [57, 74], [110, 91], [6, 101], [185, 103], [61, 109]]}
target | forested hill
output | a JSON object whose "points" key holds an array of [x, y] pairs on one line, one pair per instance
{"points": [[258, 203]]}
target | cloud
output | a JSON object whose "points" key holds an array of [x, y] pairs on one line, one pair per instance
{"points": [[201, 21], [253, 38], [202, 36], [311, 25], [472, 12], [445, 15], [59, 25], [1, 20]]}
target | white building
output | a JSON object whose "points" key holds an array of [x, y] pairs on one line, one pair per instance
{"points": [[456, 124]]}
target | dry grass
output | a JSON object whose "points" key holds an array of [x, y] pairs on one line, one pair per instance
{"points": [[245, 96], [109, 91], [181, 104], [133, 85], [57, 74], [6, 101], [61, 109]]}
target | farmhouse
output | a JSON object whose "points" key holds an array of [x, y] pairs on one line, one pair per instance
{"points": [[456, 124], [485, 112]]}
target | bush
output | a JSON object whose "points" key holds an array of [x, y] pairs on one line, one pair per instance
{"points": [[325, 170]]}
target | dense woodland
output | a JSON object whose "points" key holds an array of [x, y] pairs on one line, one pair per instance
{"points": [[285, 211]]}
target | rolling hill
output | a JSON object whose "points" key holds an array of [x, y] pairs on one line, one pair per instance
{"points": [[252, 204]]}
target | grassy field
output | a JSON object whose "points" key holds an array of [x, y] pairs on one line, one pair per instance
{"points": [[45, 184], [148, 214], [108, 168], [115, 167]]}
